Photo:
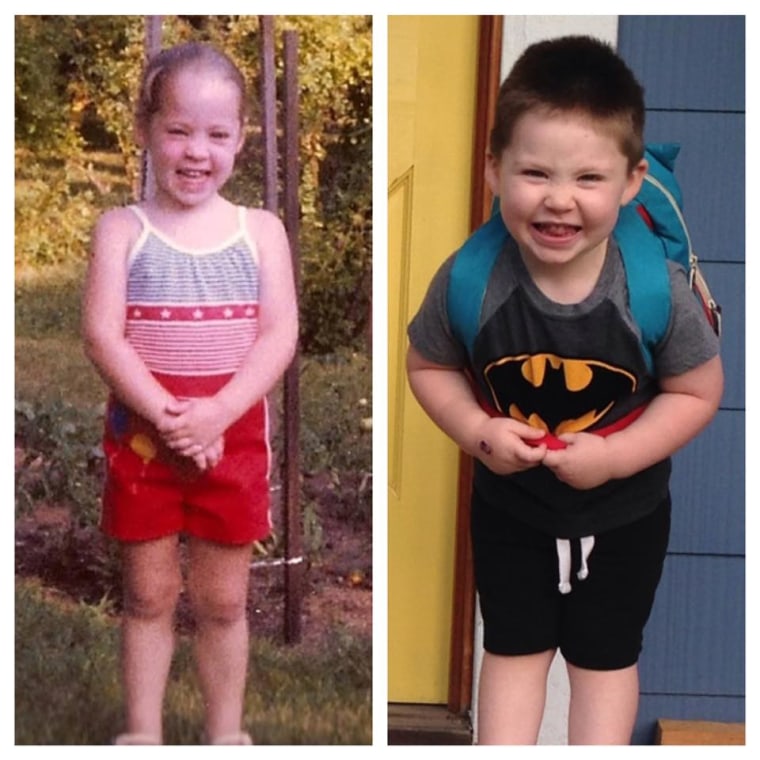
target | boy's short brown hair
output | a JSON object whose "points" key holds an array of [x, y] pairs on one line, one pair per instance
{"points": [[573, 74]]}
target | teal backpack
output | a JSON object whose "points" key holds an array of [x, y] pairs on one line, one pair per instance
{"points": [[650, 230]]}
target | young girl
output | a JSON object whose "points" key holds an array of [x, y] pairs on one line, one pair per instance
{"points": [[190, 316]]}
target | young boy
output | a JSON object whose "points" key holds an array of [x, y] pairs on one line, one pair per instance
{"points": [[551, 482]]}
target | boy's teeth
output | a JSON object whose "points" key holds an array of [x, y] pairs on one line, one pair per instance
{"points": [[556, 229]]}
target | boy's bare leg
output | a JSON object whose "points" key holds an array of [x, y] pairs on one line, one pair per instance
{"points": [[512, 697], [218, 586], [152, 583], [603, 705]]}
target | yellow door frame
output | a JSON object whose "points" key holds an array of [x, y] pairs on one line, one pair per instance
{"points": [[490, 31], [451, 627]]}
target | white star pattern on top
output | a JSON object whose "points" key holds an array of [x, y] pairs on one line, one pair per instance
{"points": [[192, 314]]}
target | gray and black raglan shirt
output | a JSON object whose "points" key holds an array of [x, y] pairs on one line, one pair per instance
{"points": [[566, 368]]}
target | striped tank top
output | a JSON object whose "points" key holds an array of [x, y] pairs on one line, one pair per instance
{"points": [[192, 313]]}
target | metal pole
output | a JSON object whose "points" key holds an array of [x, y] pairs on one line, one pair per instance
{"points": [[292, 537], [269, 108], [294, 570], [153, 34]]}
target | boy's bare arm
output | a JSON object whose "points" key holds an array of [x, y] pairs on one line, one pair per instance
{"points": [[445, 395], [684, 407]]}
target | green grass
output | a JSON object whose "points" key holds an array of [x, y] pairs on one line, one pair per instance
{"points": [[67, 687], [50, 362]]}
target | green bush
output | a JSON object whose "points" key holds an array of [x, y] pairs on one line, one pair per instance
{"points": [[336, 272], [53, 222], [336, 409], [61, 459]]}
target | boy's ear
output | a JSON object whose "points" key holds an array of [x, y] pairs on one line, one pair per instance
{"points": [[492, 173], [635, 179]]}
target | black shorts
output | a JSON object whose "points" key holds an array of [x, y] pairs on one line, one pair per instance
{"points": [[597, 625]]}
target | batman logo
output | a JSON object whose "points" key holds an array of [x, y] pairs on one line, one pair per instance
{"points": [[556, 394]]}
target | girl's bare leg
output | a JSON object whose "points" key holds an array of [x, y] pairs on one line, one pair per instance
{"points": [[511, 698], [218, 587], [152, 583], [603, 705]]}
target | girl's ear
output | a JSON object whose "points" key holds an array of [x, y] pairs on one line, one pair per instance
{"points": [[141, 134], [635, 179]]}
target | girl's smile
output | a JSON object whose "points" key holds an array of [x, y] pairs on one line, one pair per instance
{"points": [[195, 137]]}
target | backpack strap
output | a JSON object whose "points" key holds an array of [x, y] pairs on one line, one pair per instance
{"points": [[643, 255], [469, 275], [647, 276], [650, 230]]}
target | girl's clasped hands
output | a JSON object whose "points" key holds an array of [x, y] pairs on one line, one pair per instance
{"points": [[194, 428]]}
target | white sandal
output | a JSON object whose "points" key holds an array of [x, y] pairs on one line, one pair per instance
{"points": [[136, 739], [240, 738]]}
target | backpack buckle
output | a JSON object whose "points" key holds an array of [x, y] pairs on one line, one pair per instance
{"points": [[699, 287]]}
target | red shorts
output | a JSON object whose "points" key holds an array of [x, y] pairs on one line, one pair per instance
{"points": [[151, 492]]}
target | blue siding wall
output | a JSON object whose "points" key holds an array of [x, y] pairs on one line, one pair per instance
{"points": [[692, 667]]}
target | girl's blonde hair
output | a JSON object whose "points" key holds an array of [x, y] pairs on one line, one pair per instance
{"points": [[168, 62]]}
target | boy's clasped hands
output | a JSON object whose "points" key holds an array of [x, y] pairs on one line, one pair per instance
{"points": [[194, 428], [508, 446]]}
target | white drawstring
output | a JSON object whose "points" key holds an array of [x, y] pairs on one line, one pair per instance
{"points": [[587, 544], [563, 555], [564, 560]]}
